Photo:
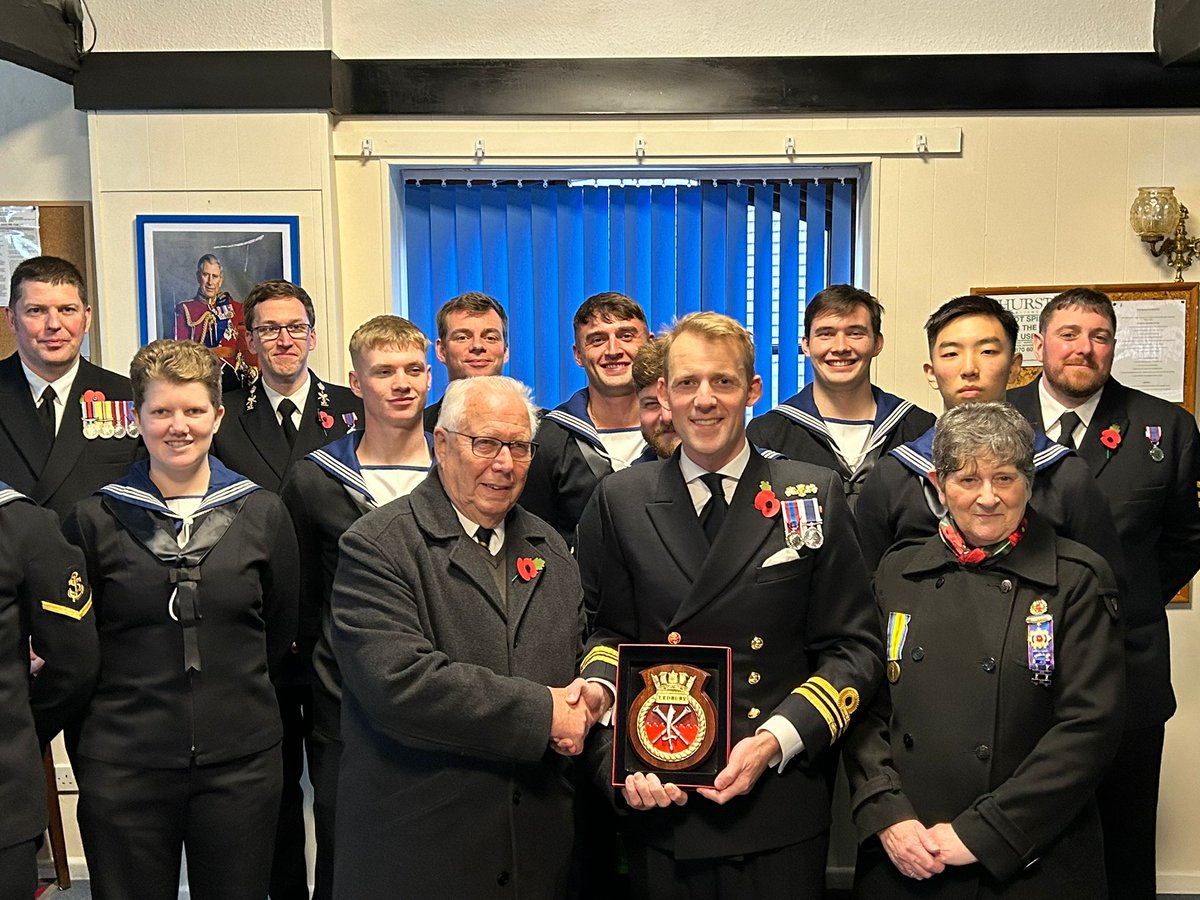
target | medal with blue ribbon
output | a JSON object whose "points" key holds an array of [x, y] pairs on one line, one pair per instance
{"points": [[1154, 436]]}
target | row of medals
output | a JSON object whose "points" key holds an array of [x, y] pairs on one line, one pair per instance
{"points": [[109, 419]]}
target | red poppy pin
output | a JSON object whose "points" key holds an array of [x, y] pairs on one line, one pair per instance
{"points": [[765, 500], [92, 396], [1110, 437], [529, 566], [325, 419]]}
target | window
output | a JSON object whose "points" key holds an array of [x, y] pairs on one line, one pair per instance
{"points": [[753, 248]]}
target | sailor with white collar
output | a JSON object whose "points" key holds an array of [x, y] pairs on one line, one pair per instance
{"points": [[597, 431], [326, 492]]}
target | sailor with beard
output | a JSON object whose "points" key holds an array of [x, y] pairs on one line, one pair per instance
{"points": [[657, 428], [1145, 457]]}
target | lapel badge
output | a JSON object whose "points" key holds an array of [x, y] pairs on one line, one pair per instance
{"points": [[325, 419], [765, 500], [1154, 436], [1110, 437], [1038, 607], [322, 397], [528, 567], [252, 397]]}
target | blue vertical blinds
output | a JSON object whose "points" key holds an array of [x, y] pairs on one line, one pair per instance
{"points": [[755, 252]]}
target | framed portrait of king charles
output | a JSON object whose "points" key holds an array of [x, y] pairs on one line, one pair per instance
{"points": [[195, 271]]}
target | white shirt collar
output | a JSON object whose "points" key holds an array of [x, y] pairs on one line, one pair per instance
{"points": [[1052, 411], [298, 397], [62, 385], [732, 471], [470, 527]]}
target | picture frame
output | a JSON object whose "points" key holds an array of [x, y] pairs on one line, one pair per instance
{"points": [[250, 249]]}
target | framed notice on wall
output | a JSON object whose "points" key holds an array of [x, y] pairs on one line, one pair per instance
{"points": [[1156, 338]]}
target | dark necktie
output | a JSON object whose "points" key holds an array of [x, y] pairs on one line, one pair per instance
{"points": [[286, 410], [46, 412], [484, 537], [1068, 422], [714, 511]]}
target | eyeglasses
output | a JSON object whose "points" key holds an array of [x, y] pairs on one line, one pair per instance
{"points": [[297, 331], [489, 448]]}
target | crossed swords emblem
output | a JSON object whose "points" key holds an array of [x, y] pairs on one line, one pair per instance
{"points": [[674, 715]]}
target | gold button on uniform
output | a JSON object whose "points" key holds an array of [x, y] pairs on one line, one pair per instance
{"points": [[674, 637], [754, 713], [754, 678], [756, 643]]}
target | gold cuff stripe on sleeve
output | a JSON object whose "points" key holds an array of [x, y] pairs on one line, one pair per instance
{"points": [[600, 654], [69, 611], [833, 705]]}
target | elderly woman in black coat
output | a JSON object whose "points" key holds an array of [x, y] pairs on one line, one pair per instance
{"points": [[973, 773]]}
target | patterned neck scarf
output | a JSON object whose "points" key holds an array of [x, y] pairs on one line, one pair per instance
{"points": [[974, 556]]}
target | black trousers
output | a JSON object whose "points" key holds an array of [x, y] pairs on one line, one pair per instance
{"points": [[289, 868], [326, 757], [18, 870], [135, 823], [794, 872], [1128, 799]]}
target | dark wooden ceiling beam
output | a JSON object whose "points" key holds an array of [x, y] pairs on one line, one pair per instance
{"points": [[685, 86]]}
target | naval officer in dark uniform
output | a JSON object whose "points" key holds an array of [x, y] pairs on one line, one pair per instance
{"points": [[694, 549]]}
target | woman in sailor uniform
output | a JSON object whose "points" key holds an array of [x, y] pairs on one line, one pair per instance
{"points": [[974, 771], [193, 570]]}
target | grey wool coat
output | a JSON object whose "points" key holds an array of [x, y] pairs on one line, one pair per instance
{"points": [[448, 787]]}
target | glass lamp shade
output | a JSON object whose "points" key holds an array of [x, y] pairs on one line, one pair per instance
{"points": [[1155, 212]]}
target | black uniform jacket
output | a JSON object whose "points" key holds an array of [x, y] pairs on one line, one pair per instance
{"points": [[899, 502], [965, 736], [44, 597], [59, 476], [149, 710], [251, 441], [569, 463], [795, 429], [325, 494], [1157, 517], [803, 634], [447, 776]]}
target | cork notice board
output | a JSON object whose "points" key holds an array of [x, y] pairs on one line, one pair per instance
{"points": [[66, 231]]}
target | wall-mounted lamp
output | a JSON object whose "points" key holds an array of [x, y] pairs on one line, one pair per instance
{"points": [[1160, 220]]}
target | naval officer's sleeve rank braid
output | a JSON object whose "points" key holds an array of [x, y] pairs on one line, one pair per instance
{"points": [[599, 655], [834, 706]]}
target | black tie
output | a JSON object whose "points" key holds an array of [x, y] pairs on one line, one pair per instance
{"points": [[714, 511], [484, 537], [286, 409], [1067, 424], [46, 412]]}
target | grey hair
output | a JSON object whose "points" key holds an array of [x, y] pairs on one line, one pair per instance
{"points": [[454, 401], [973, 430]]}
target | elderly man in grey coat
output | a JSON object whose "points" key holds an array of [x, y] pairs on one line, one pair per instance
{"points": [[457, 622]]}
